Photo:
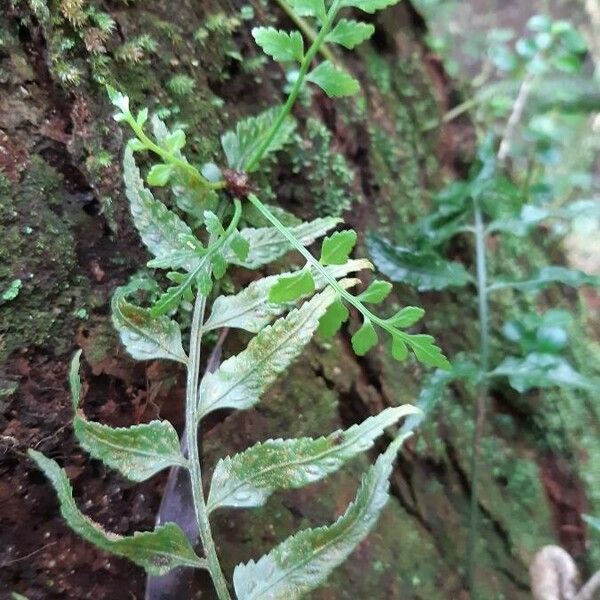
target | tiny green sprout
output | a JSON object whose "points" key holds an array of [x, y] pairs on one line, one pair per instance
{"points": [[104, 159], [247, 12], [181, 85], [12, 291], [82, 313], [135, 50]]}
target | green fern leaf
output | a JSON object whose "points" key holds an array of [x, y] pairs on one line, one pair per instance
{"points": [[159, 175], [425, 270], [280, 45], [75, 381], [266, 244], [156, 551], [240, 145], [137, 452], [350, 33], [427, 352], [333, 81], [146, 337], [304, 561], [190, 195], [364, 339], [368, 6], [162, 231], [251, 310], [242, 379], [399, 348], [407, 316], [337, 247], [376, 293], [333, 319], [541, 370], [249, 478], [288, 288], [171, 299], [240, 247], [547, 276], [309, 8]]}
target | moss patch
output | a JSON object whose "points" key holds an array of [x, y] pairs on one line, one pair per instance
{"points": [[38, 248]]}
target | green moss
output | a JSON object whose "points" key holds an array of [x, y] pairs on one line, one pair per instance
{"points": [[38, 247], [511, 493], [181, 84], [330, 179], [217, 25], [402, 156]]}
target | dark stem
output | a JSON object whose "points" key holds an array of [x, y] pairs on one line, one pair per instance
{"points": [[482, 393]]}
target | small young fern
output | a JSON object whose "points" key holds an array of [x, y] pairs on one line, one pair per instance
{"points": [[246, 148], [284, 312]]}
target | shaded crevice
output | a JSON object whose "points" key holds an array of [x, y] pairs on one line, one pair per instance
{"points": [[353, 411], [405, 468], [497, 526], [411, 510], [566, 497], [524, 586], [466, 486], [56, 153]]}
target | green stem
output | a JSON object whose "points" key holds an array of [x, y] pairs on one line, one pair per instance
{"points": [[171, 158], [482, 393], [291, 100], [191, 421], [306, 29], [235, 219], [347, 296]]}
